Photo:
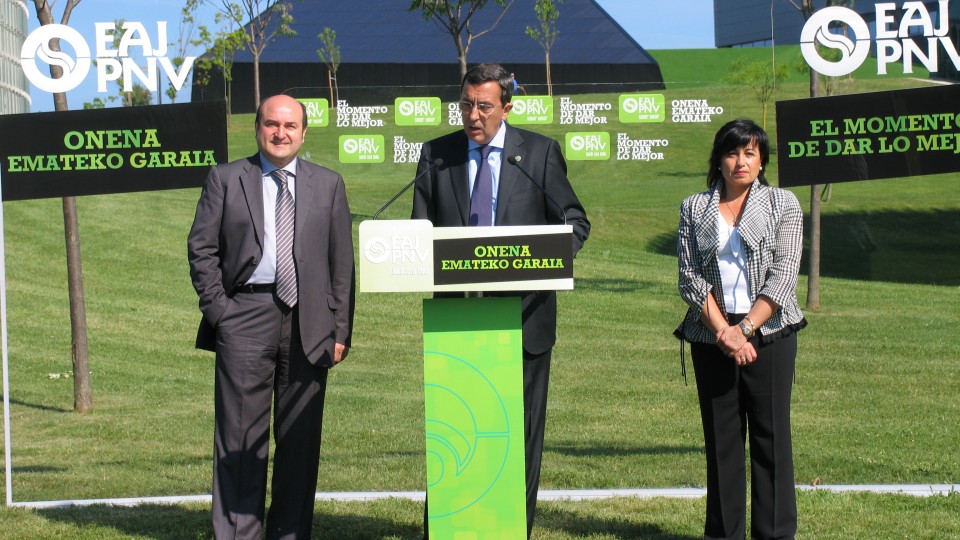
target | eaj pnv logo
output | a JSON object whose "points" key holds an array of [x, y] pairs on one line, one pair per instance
{"points": [[318, 111], [531, 110], [75, 57], [419, 111], [636, 108], [588, 146], [900, 37], [361, 149]]}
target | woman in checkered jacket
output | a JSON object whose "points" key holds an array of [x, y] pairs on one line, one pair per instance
{"points": [[739, 248]]}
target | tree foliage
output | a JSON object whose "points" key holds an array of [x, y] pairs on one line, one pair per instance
{"points": [[258, 23], [329, 53], [453, 17], [221, 49], [186, 40], [138, 94], [546, 35], [762, 77]]}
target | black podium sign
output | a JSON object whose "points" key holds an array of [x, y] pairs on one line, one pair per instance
{"points": [[119, 150], [411, 255], [870, 136]]}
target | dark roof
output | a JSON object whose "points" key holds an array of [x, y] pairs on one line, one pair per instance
{"points": [[384, 31]]}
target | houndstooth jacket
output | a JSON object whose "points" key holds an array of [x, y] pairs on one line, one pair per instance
{"points": [[772, 230]]}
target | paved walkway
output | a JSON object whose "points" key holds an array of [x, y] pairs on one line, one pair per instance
{"points": [[919, 490]]}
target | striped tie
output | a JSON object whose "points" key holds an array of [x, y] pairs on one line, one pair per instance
{"points": [[286, 271], [481, 200]]}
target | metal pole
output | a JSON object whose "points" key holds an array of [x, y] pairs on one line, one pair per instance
{"points": [[773, 49]]}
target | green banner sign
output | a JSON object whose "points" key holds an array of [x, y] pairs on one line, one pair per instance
{"points": [[473, 399], [588, 146], [641, 108], [362, 149], [318, 112], [531, 110], [417, 111]]}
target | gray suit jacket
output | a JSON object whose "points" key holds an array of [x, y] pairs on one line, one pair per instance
{"points": [[443, 197], [772, 232], [225, 246]]}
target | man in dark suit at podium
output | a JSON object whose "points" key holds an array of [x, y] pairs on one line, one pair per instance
{"points": [[495, 174], [271, 258]]}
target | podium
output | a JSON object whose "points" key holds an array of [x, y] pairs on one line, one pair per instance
{"points": [[472, 357]]}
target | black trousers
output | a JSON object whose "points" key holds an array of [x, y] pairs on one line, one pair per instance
{"points": [[736, 402], [261, 364], [536, 382]]}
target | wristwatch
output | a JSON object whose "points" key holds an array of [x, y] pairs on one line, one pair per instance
{"points": [[747, 330]]}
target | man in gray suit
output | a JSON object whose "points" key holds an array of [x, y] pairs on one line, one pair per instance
{"points": [[527, 185], [274, 342]]}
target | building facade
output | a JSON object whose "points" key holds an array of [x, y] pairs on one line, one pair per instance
{"points": [[388, 52], [14, 87], [760, 23]]}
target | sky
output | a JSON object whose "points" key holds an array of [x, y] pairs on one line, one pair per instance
{"points": [[654, 24]]}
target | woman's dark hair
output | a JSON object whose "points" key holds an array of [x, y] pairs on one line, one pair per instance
{"points": [[733, 135]]}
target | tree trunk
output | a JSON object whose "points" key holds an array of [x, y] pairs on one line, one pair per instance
{"points": [[813, 278], [330, 83], [813, 274], [549, 77], [82, 390], [256, 81]]}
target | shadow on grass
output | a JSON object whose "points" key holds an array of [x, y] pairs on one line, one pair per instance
{"points": [[584, 526], [600, 451], [613, 285], [354, 527], [160, 522], [893, 246], [37, 469], [174, 522], [44, 408]]}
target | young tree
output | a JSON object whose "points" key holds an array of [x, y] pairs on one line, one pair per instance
{"points": [[267, 20], [807, 9], [760, 76], [329, 53], [138, 96], [220, 53], [185, 39], [82, 390], [453, 17], [546, 35], [135, 95]]}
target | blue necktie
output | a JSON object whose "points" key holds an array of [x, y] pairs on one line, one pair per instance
{"points": [[481, 200]]}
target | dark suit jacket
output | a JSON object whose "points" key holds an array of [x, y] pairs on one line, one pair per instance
{"points": [[442, 196], [225, 246]]}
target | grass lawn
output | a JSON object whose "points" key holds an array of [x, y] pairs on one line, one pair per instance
{"points": [[875, 399]]}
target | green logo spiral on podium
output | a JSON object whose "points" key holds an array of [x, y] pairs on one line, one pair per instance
{"points": [[468, 435], [473, 405]]}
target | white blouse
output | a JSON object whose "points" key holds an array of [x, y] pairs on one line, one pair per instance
{"points": [[733, 267]]}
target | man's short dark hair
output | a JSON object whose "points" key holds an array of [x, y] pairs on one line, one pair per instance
{"points": [[482, 73], [303, 107]]}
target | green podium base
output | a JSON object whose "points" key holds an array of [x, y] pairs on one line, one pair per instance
{"points": [[473, 399]]}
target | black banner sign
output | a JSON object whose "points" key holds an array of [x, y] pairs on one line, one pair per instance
{"points": [[502, 258], [120, 150], [869, 136]]}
